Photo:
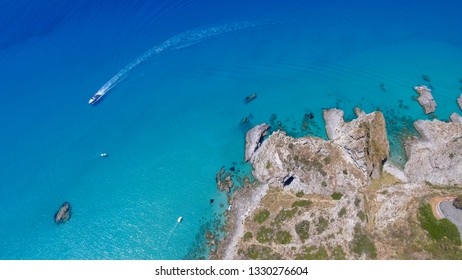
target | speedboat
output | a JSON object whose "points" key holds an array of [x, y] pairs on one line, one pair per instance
{"points": [[103, 155], [180, 219], [95, 98]]}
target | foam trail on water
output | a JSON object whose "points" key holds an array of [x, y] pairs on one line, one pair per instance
{"points": [[176, 42]]}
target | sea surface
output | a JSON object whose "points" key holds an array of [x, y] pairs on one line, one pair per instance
{"points": [[172, 118]]}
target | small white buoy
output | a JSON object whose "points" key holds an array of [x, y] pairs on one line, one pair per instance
{"points": [[103, 155], [180, 219]]}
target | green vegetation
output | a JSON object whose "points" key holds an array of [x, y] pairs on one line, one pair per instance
{"points": [[342, 212], [302, 203], [300, 194], [326, 160], [261, 216], [291, 146], [247, 236], [361, 216], [255, 252], [336, 196], [357, 201], [284, 215], [323, 184], [265, 235], [312, 253], [363, 245], [283, 237], [458, 202], [443, 250], [345, 172], [438, 229], [451, 155], [302, 230], [338, 253], [322, 225], [268, 165]]}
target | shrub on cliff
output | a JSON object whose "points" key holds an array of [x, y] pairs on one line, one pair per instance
{"points": [[458, 202], [261, 216], [302, 230]]}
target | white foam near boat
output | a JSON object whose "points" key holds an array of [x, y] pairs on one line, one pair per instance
{"points": [[103, 155], [180, 219]]}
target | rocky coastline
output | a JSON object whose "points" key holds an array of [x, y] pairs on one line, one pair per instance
{"points": [[340, 198]]}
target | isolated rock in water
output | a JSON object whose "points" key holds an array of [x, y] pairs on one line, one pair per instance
{"points": [[250, 98], [253, 139], [64, 213], [426, 99], [436, 157], [456, 118], [459, 101]]}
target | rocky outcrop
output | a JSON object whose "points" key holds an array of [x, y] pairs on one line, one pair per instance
{"points": [[224, 180], [63, 214], [459, 101], [455, 118], [253, 139], [359, 112], [364, 139], [354, 152], [426, 99], [435, 157]]}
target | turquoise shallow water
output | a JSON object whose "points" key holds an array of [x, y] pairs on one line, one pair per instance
{"points": [[174, 121]]}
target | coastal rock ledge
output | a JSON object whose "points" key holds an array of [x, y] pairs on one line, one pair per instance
{"points": [[253, 139], [436, 156]]}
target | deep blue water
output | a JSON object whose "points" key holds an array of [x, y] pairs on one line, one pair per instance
{"points": [[174, 121]]}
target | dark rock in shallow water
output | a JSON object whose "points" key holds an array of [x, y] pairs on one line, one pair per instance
{"points": [[63, 214], [250, 98], [382, 87], [426, 78], [212, 201]]}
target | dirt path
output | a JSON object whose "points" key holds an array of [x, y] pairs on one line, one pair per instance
{"points": [[241, 209], [435, 204]]}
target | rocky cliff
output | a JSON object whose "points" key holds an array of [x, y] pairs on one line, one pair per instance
{"points": [[339, 198], [436, 156]]}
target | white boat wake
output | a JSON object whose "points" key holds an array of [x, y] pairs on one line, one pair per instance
{"points": [[176, 42]]}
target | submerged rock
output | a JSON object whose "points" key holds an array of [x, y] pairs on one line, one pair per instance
{"points": [[426, 99], [426, 78], [459, 101], [224, 180], [63, 214], [253, 139], [250, 98]]}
